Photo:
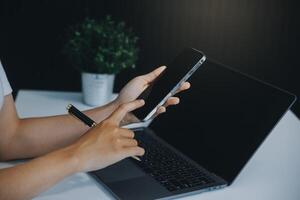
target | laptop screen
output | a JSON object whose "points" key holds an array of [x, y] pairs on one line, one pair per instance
{"points": [[222, 119]]}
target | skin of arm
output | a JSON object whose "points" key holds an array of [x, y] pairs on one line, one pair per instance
{"points": [[27, 180], [101, 146], [73, 148], [32, 137]]}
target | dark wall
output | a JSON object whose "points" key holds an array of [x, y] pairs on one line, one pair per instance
{"points": [[253, 36]]}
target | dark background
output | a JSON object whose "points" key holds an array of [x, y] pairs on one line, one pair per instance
{"points": [[254, 36]]}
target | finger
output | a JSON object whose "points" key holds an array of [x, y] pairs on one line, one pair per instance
{"points": [[126, 142], [184, 86], [154, 74], [117, 116], [169, 102], [130, 118], [172, 101], [133, 151], [127, 134], [159, 111]]}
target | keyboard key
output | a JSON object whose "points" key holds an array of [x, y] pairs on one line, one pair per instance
{"points": [[165, 166]]}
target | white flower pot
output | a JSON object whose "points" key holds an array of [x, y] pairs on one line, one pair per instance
{"points": [[97, 89]]}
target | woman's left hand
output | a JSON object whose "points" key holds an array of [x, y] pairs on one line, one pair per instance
{"points": [[136, 86]]}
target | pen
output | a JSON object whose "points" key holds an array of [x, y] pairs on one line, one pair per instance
{"points": [[72, 110], [79, 115]]}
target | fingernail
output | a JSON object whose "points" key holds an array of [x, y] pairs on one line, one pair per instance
{"points": [[142, 101], [164, 67]]}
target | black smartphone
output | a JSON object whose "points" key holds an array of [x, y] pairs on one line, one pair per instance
{"points": [[169, 81]]}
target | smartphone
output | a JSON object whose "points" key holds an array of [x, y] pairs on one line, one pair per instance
{"points": [[169, 81]]}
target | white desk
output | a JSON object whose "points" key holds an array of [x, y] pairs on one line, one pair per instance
{"points": [[272, 173]]}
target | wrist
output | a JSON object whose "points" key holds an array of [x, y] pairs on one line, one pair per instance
{"points": [[112, 106], [69, 158], [102, 112], [115, 103]]}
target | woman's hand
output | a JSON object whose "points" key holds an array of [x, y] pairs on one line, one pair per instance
{"points": [[136, 86], [107, 143]]}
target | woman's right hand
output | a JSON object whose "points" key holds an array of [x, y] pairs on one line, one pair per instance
{"points": [[107, 143]]}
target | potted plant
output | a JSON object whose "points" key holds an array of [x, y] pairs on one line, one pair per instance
{"points": [[99, 50]]}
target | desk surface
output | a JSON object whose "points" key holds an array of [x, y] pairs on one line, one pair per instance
{"points": [[272, 173]]}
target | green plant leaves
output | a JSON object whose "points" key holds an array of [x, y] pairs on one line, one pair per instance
{"points": [[102, 46]]}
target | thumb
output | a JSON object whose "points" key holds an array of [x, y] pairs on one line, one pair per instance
{"points": [[154, 74]]}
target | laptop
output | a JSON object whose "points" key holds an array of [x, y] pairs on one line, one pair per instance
{"points": [[203, 143]]}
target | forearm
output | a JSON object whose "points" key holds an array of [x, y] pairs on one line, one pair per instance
{"points": [[38, 136], [27, 180]]}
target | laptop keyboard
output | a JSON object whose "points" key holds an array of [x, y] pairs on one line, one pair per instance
{"points": [[168, 168]]}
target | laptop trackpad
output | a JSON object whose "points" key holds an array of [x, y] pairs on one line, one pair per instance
{"points": [[144, 188], [122, 170]]}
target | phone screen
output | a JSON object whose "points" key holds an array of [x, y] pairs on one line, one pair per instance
{"points": [[167, 80]]}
